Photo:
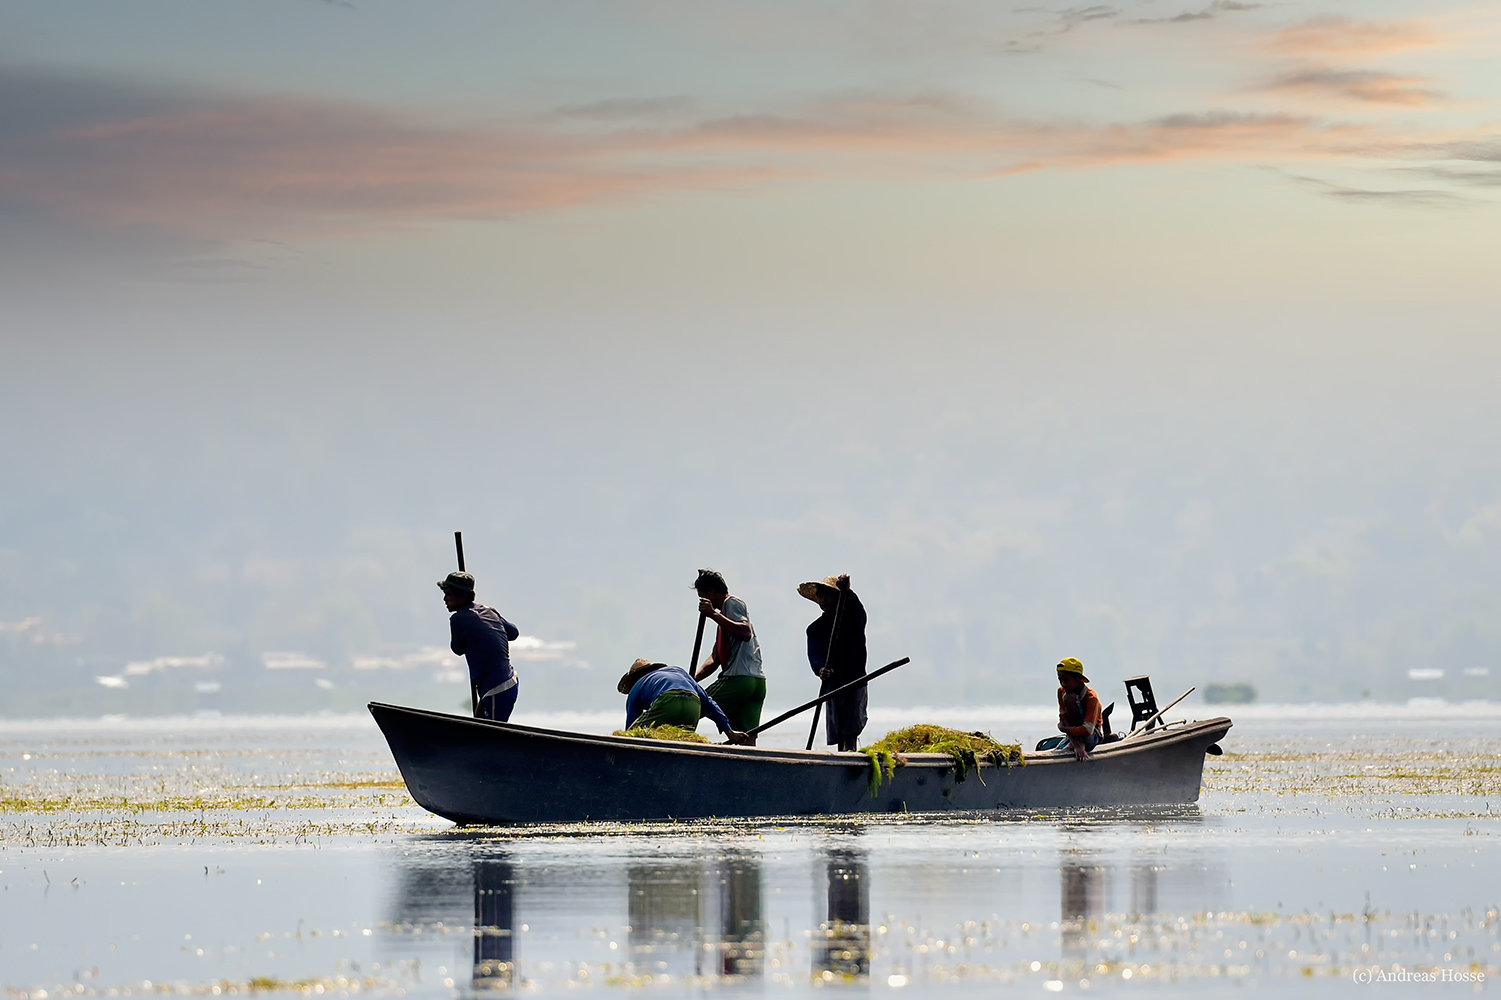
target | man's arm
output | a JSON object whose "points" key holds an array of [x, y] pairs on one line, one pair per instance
{"points": [[632, 709], [733, 627], [512, 632], [455, 634], [710, 664], [712, 710]]}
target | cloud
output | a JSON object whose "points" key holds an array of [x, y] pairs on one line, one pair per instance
{"points": [[627, 109], [229, 166], [1340, 37], [1366, 86], [1204, 13], [1082, 15], [1472, 178], [1425, 198]]}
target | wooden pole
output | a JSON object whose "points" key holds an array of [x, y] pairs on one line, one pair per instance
{"points": [[458, 544], [1154, 718], [826, 696], [698, 643]]}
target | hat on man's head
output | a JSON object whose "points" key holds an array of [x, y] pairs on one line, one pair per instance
{"points": [[632, 675], [459, 583], [1071, 665], [828, 585]]}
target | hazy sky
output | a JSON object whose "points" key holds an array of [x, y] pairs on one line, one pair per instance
{"points": [[1162, 335]]}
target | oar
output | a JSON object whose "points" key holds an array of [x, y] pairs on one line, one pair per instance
{"points": [[1154, 718], [458, 544], [825, 697], [698, 642], [827, 657]]}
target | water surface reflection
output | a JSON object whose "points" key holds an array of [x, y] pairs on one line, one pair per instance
{"points": [[842, 951], [494, 909], [703, 909]]}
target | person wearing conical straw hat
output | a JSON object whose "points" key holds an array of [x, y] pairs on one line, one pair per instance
{"points": [[660, 695], [1079, 713], [836, 652]]}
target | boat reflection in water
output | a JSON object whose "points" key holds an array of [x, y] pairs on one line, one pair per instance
{"points": [[842, 941], [697, 919], [1081, 894], [494, 913], [436, 893], [1097, 893]]}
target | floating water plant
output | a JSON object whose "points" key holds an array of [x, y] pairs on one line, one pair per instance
{"points": [[966, 749], [677, 734]]}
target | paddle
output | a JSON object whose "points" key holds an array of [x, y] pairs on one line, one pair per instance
{"points": [[458, 544], [834, 628], [698, 643], [825, 697], [1144, 725]]}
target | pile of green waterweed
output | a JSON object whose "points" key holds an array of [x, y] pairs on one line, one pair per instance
{"points": [[966, 749], [677, 734]]}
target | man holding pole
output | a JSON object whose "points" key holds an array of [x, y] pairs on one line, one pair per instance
{"points": [[483, 637], [836, 652], [741, 688]]}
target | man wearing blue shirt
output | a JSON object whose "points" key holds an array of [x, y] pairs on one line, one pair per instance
{"points": [[483, 637], [658, 695]]}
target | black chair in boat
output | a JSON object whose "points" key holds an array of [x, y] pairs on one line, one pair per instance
{"points": [[1143, 702]]}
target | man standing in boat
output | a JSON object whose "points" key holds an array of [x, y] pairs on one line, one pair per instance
{"points": [[741, 688], [836, 652], [659, 695], [483, 637], [1079, 713]]}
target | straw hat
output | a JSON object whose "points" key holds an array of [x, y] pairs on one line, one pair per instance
{"points": [[811, 589], [638, 668], [1071, 665]]}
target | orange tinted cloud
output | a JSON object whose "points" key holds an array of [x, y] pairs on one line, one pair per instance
{"points": [[234, 167], [1363, 86], [1340, 37]]}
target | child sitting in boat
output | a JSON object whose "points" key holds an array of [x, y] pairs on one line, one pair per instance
{"points": [[1079, 713], [658, 695]]}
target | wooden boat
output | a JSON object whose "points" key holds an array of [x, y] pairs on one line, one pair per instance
{"points": [[474, 771]]}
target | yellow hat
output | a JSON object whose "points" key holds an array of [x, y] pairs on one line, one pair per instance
{"points": [[1071, 665]]}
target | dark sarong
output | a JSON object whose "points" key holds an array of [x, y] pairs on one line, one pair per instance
{"points": [[846, 715]]}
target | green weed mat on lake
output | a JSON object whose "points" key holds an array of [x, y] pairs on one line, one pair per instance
{"points": [[966, 749], [676, 734]]}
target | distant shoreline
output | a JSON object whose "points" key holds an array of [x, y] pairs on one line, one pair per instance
{"points": [[605, 721]]}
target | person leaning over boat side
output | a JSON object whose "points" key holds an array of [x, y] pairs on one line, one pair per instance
{"points": [[659, 695], [1079, 714], [741, 688], [483, 638], [840, 660]]}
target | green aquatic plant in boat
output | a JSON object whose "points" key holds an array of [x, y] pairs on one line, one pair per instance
{"points": [[966, 749], [677, 734], [882, 767]]}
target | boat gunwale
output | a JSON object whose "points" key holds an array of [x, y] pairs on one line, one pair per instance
{"points": [[1156, 739]]}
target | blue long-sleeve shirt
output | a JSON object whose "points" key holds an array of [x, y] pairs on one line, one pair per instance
{"points": [[662, 680], [483, 638]]}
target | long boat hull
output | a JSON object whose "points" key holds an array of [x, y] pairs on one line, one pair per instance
{"points": [[475, 771]]}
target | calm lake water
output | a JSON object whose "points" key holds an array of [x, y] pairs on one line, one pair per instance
{"points": [[210, 856]]}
